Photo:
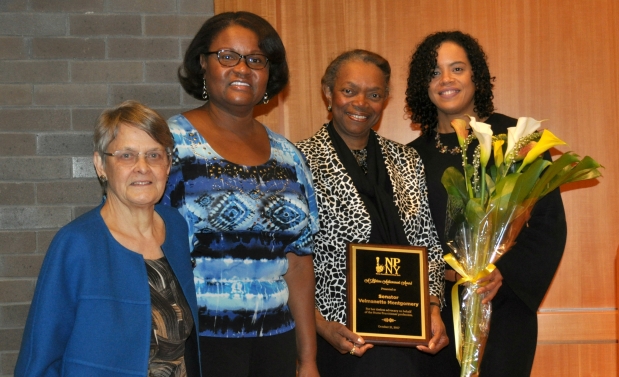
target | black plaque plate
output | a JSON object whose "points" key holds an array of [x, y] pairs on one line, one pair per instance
{"points": [[388, 299]]}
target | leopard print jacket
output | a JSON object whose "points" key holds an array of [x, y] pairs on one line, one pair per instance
{"points": [[343, 217]]}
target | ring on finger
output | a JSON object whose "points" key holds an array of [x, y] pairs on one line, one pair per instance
{"points": [[352, 351]]}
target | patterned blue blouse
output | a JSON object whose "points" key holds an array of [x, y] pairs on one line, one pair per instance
{"points": [[242, 222]]}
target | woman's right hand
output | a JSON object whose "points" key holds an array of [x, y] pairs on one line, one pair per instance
{"points": [[340, 337]]}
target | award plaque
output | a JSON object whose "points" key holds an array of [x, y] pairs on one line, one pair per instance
{"points": [[388, 299]]}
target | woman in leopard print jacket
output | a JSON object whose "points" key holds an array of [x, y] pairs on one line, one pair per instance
{"points": [[375, 194]]}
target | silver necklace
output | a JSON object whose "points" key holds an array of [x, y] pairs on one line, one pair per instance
{"points": [[361, 155]]}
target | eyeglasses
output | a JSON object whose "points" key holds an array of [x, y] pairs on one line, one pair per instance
{"points": [[229, 58], [130, 158]]}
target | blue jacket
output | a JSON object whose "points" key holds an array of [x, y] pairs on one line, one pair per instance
{"points": [[91, 313]]}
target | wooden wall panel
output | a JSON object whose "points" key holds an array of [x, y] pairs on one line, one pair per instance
{"points": [[575, 360], [553, 60], [592, 326]]}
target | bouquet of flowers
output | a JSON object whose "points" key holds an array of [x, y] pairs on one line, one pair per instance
{"points": [[488, 205]]}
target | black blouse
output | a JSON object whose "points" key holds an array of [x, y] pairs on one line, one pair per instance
{"points": [[172, 322]]}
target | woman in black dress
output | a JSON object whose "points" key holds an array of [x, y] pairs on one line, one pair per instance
{"points": [[449, 79]]}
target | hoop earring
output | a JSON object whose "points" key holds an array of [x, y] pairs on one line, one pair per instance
{"points": [[204, 93], [329, 108], [265, 98]]}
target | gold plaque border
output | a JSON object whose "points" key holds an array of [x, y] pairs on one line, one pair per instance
{"points": [[351, 279]]}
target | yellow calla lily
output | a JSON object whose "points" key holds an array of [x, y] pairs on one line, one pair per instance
{"points": [[483, 132], [547, 141], [498, 152], [525, 127], [460, 126]]}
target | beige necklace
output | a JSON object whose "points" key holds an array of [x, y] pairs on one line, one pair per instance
{"points": [[256, 173], [443, 148]]}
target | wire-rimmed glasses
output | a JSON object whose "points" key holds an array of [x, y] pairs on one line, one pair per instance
{"points": [[130, 158]]}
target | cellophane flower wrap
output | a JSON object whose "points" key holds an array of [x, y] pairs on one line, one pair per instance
{"points": [[488, 205]]}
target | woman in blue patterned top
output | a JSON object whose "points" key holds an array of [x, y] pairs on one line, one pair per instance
{"points": [[247, 197]]}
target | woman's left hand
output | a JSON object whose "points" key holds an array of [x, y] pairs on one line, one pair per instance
{"points": [[494, 281], [439, 335]]}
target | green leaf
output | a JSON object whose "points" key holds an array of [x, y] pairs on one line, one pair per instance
{"points": [[454, 183], [474, 211], [585, 169], [503, 192], [527, 180], [585, 175], [557, 168], [490, 183], [470, 170], [493, 171]]}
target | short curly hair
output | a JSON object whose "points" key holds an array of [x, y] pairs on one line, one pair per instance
{"points": [[328, 79], [191, 74], [423, 62]]}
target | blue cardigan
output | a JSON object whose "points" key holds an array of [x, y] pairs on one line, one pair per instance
{"points": [[91, 313]]}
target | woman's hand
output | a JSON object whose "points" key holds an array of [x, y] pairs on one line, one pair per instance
{"points": [[494, 281], [340, 337], [439, 335]]}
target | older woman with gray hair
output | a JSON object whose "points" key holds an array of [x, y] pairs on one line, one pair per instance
{"points": [[115, 295], [369, 190]]}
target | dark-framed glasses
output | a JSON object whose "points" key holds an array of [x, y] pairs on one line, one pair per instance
{"points": [[229, 58], [130, 158]]}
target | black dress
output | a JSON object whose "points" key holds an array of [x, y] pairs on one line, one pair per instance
{"points": [[527, 269]]}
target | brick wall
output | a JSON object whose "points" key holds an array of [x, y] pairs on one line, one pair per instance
{"points": [[61, 63]]}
